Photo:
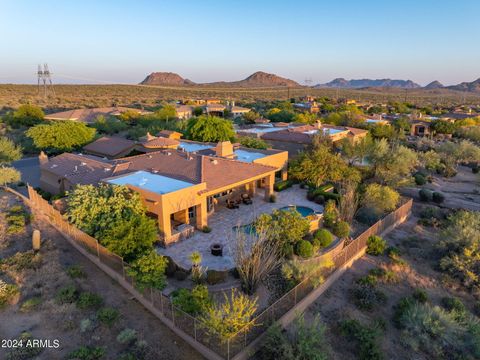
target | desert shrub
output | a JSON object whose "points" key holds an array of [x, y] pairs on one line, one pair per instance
{"points": [[367, 216], [206, 229], [367, 296], [330, 214], [7, 292], [87, 353], [86, 325], [420, 296], [149, 271], [370, 279], [294, 272], [365, 338], [193, 301], [376, 245], [88, 300], [380, 198], [307, 343], [228, 317], [420, 179], [282, 185], [341, 229], [425, 194], [15, 223], [76, 272], [108, 315], [30, 304], [455, 306], [304, 249], [384, 275], [22, 261], [215, 277], [438, 197], [127, 336], [323, 238], [67, 295]]}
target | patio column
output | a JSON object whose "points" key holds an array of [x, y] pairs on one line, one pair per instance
{"points": [[252, 188], [202, 219], [284, 174], [165, 225], [269, 181]]}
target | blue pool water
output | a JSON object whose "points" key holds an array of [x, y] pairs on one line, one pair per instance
{"points": [[303, 210], [247, 229]]}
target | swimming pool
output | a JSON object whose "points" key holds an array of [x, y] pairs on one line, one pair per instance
{"points": [[248, 229], [303, 210]]}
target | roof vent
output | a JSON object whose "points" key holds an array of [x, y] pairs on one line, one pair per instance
{"points": [[83, 163], [54, 166], [76, 168], [149, 156], [214, 161], [107, 169], [169, 153]]}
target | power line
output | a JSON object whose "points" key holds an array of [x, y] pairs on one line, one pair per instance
{"points": [[44, 78]]}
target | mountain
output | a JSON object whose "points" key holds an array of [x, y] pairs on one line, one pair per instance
{"points": [[473, 86], [364, 83], [434, 85], [258, 79], [165, 78]]}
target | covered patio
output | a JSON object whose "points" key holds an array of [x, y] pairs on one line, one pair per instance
{"points": [[222, 221]]}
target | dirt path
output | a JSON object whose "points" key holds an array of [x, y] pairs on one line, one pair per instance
{"points": [[53, 321]]}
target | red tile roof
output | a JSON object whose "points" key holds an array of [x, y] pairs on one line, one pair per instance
{"points": [[109, 146]]}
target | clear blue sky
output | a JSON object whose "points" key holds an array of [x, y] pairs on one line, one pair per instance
{"points": [[122, 41]]}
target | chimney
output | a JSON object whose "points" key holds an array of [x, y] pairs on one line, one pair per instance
{"points": [[150, 136], [224, 149], [43, 158]]}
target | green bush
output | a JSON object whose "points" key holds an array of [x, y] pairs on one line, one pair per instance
{"points": [[282, 185], [376, 245], [365, 337], [304, 249], [367, 216], [455, 306], [108, 316], [215, 277], [438, 197], [425, 194], [87, 353], [7, 292], [206, 229], [193, 301], [367, 297], [88, 300], [322, 238], [341, 229], [30, 304], [67, 294], [320, 199], [420, 295], [127, 336], [420, 179], [75, 272]]}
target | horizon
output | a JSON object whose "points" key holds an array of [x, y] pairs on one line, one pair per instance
{"points": [[121, 42]]}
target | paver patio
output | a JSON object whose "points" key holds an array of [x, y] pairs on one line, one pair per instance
{"points": [[223, 220]]}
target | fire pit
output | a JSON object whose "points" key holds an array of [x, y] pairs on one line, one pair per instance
{"points": [[216, 249]]}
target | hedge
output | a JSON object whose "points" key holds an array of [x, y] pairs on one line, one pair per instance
{"points": [[282, 185]]}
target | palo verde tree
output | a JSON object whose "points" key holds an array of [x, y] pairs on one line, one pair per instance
{"points": [[209, 128], [115, 216], [9, 151], [26, 115], [61, 135]]}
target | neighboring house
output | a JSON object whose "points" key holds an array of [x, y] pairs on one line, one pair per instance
{"points": [[215, 109], [184, 111], [111, 147], [295, 138], [89, 115], [238, 111], [419, 128], [178, 187], [170, 134], [308, 106]]}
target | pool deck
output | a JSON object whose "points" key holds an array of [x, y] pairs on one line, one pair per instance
{"points": [[223, 220]]}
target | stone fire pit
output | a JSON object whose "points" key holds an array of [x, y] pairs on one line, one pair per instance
{"points": [[216, 249]]}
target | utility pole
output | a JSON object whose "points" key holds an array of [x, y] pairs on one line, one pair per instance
{"points": [[45, 79]]}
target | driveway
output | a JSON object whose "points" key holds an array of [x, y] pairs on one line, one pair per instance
{"points": [[30, 170]]}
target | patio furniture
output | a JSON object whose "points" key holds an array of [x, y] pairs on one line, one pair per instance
{"points": [[246, 199], [232, 205], [216, 249]]}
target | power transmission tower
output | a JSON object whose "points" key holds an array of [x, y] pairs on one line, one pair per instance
{"points": [[45, 79]]}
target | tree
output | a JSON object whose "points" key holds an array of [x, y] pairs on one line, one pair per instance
{"points": [[9, 151], [318, 166], [166, 113], [430, 160], [253, 143], [348, 201], [193, 302], [256, 257], [27, 115], [109, 125], [393, 164], [306, 118], [227, 318], [115, 216], [8, 175], [356, 151], [251, 116], [149, 271], [380, 198], [210, 128], [61, 135]]}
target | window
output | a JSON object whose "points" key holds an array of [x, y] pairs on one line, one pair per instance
{"points": [[191, 212]]}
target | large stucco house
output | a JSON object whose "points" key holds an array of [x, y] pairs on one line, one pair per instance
{"points": [[180, 186]]}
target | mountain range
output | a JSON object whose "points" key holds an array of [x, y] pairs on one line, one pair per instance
{"points": [[263, 79], [257, 79]]}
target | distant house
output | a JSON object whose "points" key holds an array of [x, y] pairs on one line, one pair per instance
{"points": [[89, 115], [420, 128], [294, 138], [310, 107], [215, 109], [184, 111], [237, 111]]}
